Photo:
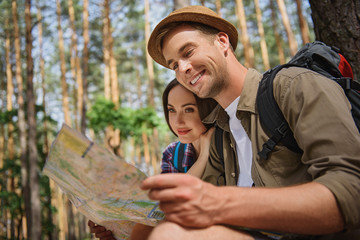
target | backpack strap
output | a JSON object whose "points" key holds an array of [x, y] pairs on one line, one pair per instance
{"points": [[219, 143], [178, 157], [271, 117], [220, 150]]}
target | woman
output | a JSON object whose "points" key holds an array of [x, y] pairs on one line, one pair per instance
{"points": [[184, 112]]}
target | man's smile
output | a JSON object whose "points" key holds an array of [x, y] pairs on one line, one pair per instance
{"points": [[192, 82]]}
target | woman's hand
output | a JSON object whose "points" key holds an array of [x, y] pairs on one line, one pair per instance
{"points": [[100, 232], [197, 169]]}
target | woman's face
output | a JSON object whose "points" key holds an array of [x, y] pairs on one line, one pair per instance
{"points": [[184, 115]]}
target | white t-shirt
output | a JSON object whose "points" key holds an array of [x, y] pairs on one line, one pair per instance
{"points": [[243, 146]]}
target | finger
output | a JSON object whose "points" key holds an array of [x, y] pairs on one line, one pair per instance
{"points": [[171, 207], [178, 194], [91, 224], [97, 229], [168, 180], [104, 234]]}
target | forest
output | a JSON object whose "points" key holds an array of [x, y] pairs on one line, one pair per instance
{"points": [[84, 63]]}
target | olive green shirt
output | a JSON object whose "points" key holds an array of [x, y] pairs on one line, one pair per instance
{"points": [[318, 113]]}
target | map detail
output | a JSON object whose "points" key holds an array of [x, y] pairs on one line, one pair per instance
{"points": [[101, 186]]}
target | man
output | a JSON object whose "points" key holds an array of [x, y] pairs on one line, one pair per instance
{"points": [[314, 193]]}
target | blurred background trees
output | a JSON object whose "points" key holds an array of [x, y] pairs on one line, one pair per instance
{"points": [[84, 63]]}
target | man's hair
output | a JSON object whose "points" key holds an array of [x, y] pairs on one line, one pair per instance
{"points": [[206, 30]]}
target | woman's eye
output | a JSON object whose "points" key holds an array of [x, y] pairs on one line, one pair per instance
{"points": [[189, 110], [171, 110]]}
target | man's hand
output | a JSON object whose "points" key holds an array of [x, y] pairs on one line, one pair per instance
{"points": [[100, 232], [185, 199]]}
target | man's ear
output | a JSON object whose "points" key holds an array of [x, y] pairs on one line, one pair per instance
{"points": [[223, 40]]}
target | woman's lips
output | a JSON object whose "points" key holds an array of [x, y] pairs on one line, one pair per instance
{"points": [[183, 131]]}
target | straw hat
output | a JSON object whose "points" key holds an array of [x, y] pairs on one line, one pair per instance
{"points": [[197, 14]]}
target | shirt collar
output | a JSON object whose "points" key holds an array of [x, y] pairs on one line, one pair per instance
{"points": [[247, 101]]}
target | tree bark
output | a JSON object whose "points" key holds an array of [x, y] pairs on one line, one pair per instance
{"points": [[337, 23], [85, 64], [285, 19], [75, 63], [244, 38], [9, 95], [181, 3], [65, 98], [149, 61], [218, 7], [304, 28], [48, 210], [60, 201], [264, 51], [35, 232], [276, 34], [22, 124]]}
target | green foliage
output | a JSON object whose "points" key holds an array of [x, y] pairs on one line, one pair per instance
{"points": [[101, 114], [130, 122], [7, 116]]}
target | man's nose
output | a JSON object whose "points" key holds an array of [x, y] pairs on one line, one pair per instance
{"points": [[185, 66]]}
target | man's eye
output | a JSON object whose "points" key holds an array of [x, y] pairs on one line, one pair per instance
{"points": [[175, 66], [188, 53]]}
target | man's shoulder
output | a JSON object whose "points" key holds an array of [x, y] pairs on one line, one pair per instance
{"points": [[294, 72]]}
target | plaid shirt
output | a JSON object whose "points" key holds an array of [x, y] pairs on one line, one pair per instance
{"points": [[167, 163]]}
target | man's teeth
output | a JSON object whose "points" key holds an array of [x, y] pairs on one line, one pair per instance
{"points": [[196, 79]]}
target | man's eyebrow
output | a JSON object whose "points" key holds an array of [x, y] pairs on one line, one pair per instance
{"points": [[179, 52]]}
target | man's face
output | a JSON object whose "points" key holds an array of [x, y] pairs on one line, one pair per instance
{"points": [[197, 60]]}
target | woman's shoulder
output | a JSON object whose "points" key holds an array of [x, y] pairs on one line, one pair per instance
{"points": [[170, 147], [188, 148]]}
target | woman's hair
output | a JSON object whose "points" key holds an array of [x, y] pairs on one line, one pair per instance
{"points": [[204, 105]]}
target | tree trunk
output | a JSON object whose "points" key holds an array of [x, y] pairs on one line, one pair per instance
{"points": [[62, 218], [75, 63], [138, 81], [3, 187], [304, 28], [278, 39], [150, 68], [9, 95], [107, 89], [149, 61], [337, 23], [114, 85], [22, 124], [146, 150], [264, 51], [218, 7], [32, 139], [181, 3], [65, 98], [291, 38], [48, 210], [244, 38], [85, 64], [106, 51]]}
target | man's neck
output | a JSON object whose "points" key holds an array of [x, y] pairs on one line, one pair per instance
{"points": [[237, 74]]}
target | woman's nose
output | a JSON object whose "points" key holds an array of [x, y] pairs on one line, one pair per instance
{"points": [[179, 118]]}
